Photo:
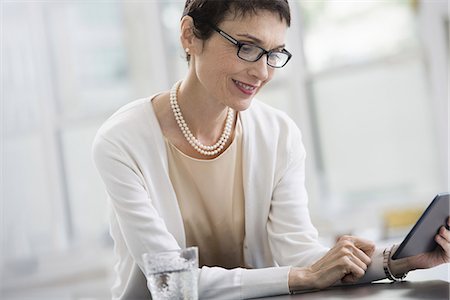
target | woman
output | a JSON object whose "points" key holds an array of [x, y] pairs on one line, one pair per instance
{"points": [[206, 165]]}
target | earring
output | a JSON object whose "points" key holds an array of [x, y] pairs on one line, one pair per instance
{"points": [[187, 50]]}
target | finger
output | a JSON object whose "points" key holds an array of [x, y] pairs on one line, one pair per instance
{"points": [[368, 247], [351, 264], [363, 266], [362, 256], [352, 253], [353, 274], [345, 238], [444, 243], [356, 254], [445, 248], [444, 233]]}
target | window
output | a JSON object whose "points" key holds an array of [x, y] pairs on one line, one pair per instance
{"points": [[68, 66], [370, 100]]}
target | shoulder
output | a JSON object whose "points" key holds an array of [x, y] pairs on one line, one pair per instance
{"points": [[129, 115], [131, 127]]}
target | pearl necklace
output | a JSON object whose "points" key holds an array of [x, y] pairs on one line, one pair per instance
{"points": [[192, 140]]}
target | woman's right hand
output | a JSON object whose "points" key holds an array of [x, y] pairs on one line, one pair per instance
{"points": [[346, 261]]}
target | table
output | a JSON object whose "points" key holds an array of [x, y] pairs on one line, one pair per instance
{"points": [[432, 289], [421, 284]]}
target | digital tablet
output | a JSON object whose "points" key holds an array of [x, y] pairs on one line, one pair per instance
{"points": [[421, 237]]}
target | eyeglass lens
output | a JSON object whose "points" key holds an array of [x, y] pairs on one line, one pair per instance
{"points": [[253, 53]]}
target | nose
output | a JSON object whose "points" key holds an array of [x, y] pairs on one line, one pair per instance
{"points": [[260, 68]]}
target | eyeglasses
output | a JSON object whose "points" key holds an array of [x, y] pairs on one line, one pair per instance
{"points": [[251, 53]]}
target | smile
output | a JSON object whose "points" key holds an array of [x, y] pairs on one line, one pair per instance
{"points": [[246, 88]]}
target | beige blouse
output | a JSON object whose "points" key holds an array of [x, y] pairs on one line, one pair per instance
{"points": [[211, 198]]}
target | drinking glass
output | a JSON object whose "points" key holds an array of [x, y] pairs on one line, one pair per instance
{"points": [[172, 274]]}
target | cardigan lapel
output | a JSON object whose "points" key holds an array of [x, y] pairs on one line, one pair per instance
{"points": [[257, 190], [163, 193]]}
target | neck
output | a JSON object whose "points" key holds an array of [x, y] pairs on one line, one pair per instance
{"points": [[205, 116], [211, 147]]}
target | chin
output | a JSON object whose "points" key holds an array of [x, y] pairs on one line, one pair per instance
{"points": [[242, 105]]}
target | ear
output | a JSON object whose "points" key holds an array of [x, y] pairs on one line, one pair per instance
{"points": [[187, 37]]}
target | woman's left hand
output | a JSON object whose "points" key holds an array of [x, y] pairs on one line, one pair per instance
{"points": [[440, 255]]}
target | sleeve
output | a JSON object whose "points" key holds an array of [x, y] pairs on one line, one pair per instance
{"points": [[144, 230], [292, 237], [375, 270], [142, 227]]}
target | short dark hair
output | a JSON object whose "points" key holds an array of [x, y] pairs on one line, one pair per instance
{"points": [[211, 12]]}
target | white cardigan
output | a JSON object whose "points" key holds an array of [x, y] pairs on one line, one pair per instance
{"points": [[130, 155]]}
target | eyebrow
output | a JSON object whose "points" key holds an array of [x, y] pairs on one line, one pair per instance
{"points": [[256, 40]]}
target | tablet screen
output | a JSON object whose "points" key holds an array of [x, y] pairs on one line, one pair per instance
{"points": [[421, 237]]}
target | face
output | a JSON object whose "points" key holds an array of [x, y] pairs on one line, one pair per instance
{"points": [[225, 77]]}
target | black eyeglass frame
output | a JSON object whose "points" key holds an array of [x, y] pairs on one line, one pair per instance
{"points": [[239, 45]]}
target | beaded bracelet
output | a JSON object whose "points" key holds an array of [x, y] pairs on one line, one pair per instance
{"points": [[387, 269]]}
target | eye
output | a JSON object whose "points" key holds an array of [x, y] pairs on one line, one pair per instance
{"points": [[248, 49], [276, 56]]}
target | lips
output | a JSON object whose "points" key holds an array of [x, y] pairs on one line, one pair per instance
{"points": [[246, 88]]}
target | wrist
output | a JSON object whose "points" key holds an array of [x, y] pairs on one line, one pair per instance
{"points": [[399, 266], [395, 269], [300, 279]]}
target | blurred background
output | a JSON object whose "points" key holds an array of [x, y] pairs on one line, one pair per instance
{"points": [[367, 85]]}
